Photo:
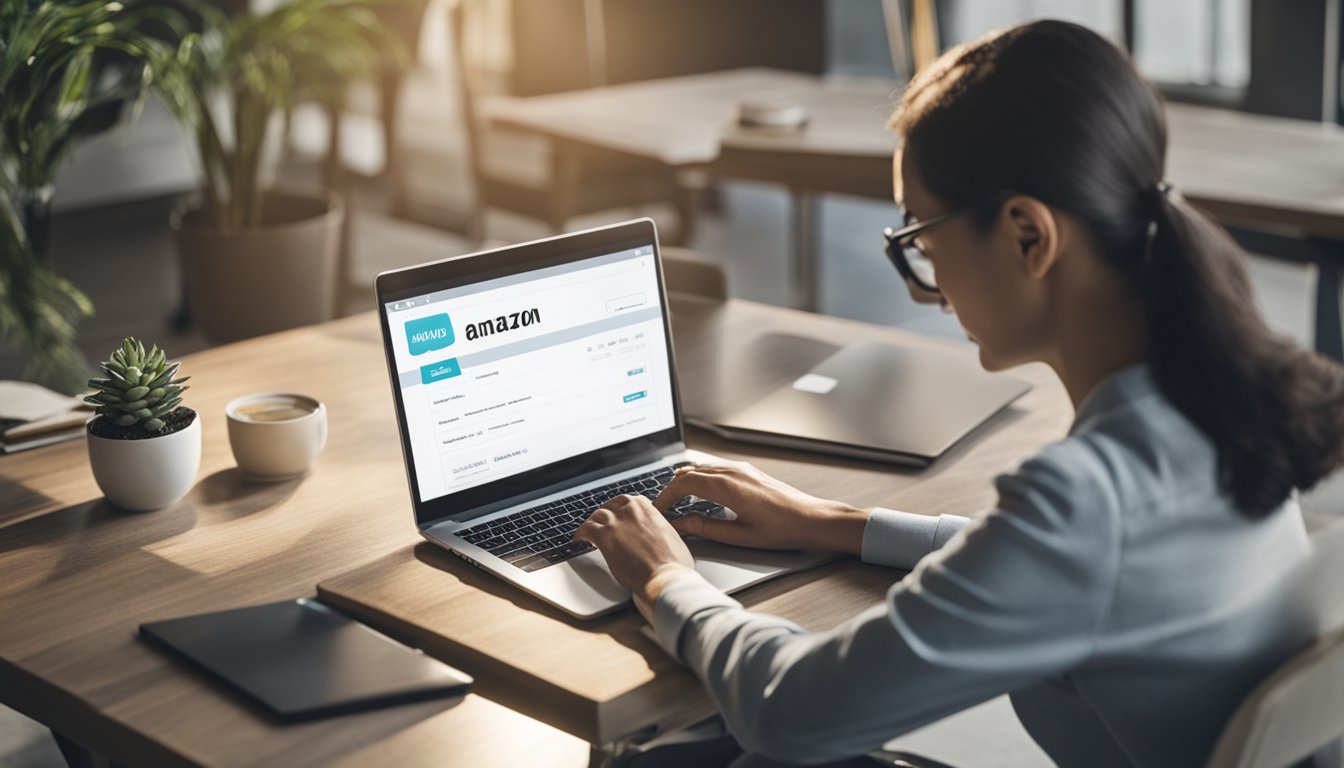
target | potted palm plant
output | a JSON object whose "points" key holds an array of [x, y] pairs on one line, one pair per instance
{"points": [[255, 258], [68, 70], [144, 445]]}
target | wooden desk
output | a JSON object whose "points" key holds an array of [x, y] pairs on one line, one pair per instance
{"points": [[605, 680], [80, 576], [1246, 170]]}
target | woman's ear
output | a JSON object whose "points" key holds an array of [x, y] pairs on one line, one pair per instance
{"points": [[1035, 232]]}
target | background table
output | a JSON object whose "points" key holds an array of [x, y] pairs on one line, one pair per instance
{"points": [[1278, 182], [689, 123]]}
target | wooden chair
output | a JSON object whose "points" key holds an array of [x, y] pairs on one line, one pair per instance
{"points": [[552, 181]]}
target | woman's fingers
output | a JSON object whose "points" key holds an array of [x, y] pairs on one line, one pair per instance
{"points": [[725, 531], [732, 466], [706, 485], [588, 532], [596, 524]]}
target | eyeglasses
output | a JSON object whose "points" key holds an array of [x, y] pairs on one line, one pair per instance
{"points": [[907, 253]]}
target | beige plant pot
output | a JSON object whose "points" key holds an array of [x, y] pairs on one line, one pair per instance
{"points": [[250, 282]]}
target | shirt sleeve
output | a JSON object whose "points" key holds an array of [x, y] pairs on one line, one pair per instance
{"points": [[901, 539], [1015, 597]]}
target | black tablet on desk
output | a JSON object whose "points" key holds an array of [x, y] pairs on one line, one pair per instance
{"points": [[301, 660]]}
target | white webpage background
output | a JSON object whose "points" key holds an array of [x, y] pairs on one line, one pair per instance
{"points": [[527, 410]]}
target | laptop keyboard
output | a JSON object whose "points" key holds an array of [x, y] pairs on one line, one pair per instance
{"points": [[542, 536]]}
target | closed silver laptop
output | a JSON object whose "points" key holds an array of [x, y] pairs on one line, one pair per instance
{"points": [[899, 405], [533, 383]]}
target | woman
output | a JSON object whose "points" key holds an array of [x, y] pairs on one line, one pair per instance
{"points": [[1126, 590]]}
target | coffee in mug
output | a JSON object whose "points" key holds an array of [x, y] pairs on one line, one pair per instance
{"points": [[280, 409]]}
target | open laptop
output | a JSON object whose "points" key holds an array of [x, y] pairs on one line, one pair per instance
{"points": [[532, 384]]}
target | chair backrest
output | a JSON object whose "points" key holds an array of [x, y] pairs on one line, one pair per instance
{"points": [[1298, 711], [688, 271], [912, 35]]}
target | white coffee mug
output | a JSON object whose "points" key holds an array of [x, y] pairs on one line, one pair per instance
{"points": [[275, 435]]}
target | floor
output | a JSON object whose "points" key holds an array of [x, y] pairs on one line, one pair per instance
{"points": [[129, 273]]}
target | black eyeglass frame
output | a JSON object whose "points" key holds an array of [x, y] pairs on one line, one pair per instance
{"points": [[900, 239]]}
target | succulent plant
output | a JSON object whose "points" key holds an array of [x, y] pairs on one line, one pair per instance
{"points": [[139, 388]]}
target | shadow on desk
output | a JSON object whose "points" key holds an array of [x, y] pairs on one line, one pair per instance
{"points": [[58, 544], [235, 496], [18, 500]]}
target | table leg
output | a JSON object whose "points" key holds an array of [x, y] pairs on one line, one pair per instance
{"points": [[564, 186], [77, 755], [803, 251], [1329, 334], [1327, 256], [333, 166]]}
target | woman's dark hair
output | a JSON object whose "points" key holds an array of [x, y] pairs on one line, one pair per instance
{"points": [[1054, 111]]}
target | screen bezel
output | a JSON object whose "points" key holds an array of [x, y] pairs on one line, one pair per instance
{"points": [[479, 267]]}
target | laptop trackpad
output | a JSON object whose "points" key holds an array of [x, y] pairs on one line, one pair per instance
{"points": [[732, 568], [592, 570]]}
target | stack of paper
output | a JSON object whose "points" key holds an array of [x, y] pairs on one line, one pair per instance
{"points": [[32, 415]]}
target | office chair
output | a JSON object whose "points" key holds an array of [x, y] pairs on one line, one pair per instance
{"points": [[1298, 711], [552, 183], [1295, 717], [1291, 715]]}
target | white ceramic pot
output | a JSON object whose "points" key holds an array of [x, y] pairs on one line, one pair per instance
{"points": [[281, 275], [147, 474]]}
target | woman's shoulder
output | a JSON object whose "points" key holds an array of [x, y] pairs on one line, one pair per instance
{"points": [[1138, 454], [1060, 481]]}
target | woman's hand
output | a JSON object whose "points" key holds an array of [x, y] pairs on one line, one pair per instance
{"points": [[770, 514], [642, 550]]}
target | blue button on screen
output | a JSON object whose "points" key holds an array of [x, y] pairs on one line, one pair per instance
{"points": [[636, 395], [444, 369]]}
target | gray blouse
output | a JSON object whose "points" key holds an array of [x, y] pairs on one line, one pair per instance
{"points": [[1115, 593]]}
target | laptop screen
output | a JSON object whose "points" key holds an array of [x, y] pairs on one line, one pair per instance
{"points": [[501, 377]]}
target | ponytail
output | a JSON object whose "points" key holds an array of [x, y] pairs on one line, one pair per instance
{"points": [[1052, 110], [1274, 410]]}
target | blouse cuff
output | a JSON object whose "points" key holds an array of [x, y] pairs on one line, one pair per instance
{"points": [[901, 539]]}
